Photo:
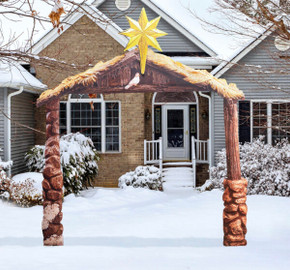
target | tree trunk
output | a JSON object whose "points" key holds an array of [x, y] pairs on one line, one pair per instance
{"points": [[235, 194], [53, 180]]}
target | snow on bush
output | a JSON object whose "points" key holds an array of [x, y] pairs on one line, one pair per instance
{"points": [[79, 160], [144, 176], [4, 180], [266, 167], [23, 193]]}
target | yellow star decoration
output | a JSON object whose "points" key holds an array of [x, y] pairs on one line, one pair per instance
{"points": [[143, 33]]}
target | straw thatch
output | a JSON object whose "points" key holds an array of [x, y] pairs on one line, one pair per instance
{"points": [[189, 75]]}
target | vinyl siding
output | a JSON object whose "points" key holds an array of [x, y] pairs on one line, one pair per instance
{"points": [[254, 85], [22, 139], [2, 92], [173, 42]]}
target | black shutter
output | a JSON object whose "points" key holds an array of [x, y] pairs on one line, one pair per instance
{"points": [[157, 122], [244, 122], [193, 121]]}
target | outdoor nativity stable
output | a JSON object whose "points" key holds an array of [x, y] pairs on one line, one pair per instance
{"points": [[144, 71]]}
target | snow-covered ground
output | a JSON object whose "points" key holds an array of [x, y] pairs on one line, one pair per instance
{"points": [[111, 229]]}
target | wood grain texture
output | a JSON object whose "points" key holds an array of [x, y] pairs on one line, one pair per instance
{"points": [[52, 184], [235, 194]]}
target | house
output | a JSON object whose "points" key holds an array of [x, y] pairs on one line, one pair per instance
{"points": [[18, 92], [187, 123]]}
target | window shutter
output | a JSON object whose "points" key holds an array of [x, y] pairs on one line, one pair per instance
{"points": [[244, 122]]}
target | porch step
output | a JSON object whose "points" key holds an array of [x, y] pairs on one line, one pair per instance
{"points": [[178, 179], [177, 164]]}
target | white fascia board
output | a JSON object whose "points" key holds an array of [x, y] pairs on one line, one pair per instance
{"points": [[173, 23], [226, 65], [97, 2], [192, 60], [111, 28], [27, 88]]}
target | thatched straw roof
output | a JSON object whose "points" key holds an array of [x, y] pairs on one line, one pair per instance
{"points": [[187, 74]]}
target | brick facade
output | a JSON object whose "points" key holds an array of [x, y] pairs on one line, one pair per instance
{"points": [[84, 43]]}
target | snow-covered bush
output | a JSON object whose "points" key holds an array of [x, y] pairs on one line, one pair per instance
{"points": [[266, 167], [144, 177], [79, 160], [34, 158], [24, 193], [4, 180]]}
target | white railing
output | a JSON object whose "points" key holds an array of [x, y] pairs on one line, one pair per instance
{"points": [[202, 150], [193, 159], [153, 152], [200, 153]]}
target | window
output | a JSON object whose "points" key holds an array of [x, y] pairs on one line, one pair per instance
{"points": [[102, 124], [244, 121], [112, 126], [62, 118], [260, 120], [268, 118], [87, 121], [123, 4], [280, 121]]}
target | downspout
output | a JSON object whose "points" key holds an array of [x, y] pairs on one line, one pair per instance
{"points": [[210, 127], [9, 123]]}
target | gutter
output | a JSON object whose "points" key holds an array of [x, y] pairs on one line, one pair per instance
{"points": [[210, 127], [9, 98]]}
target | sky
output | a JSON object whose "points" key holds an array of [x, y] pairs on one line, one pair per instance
{"points": [[181, 10]]}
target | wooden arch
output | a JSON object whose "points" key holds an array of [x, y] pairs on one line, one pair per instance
{"points": [[122, 75]]}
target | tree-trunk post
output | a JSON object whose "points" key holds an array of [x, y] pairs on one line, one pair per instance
{"points": [[52, 184], [235, 194]]}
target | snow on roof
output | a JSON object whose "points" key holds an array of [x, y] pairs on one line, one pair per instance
{"points": [[14, 75], [183, 11]]}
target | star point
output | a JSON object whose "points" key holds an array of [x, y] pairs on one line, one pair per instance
{"points": [[143, 33]]}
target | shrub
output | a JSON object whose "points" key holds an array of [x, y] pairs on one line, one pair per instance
{"points": [[144, 176], [78, 160], [266, 167], [23, 193], [4, 180]]}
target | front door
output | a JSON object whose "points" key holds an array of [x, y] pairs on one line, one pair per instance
{"points": [[175, 126]]}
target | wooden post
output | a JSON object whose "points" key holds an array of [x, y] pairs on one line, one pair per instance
{"points": [[235, 194], [53, 180]]}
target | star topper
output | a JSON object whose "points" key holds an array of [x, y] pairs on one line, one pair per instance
{"points": [[143, 33]]}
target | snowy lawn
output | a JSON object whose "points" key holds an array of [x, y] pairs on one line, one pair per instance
{"points": [[139, 229]]}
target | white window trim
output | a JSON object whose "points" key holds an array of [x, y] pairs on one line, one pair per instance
{"points": [[269, 103], [103, 119]]}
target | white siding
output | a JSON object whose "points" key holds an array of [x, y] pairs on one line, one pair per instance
{"points": [[22, 139], [254, 85], [2, 90]]}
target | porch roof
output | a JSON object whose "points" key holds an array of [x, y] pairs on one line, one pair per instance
{"points": [[166, 75]]}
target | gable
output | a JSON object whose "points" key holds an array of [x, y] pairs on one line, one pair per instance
{"points": [[174, 42], [72, 47], [262, 72]]}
